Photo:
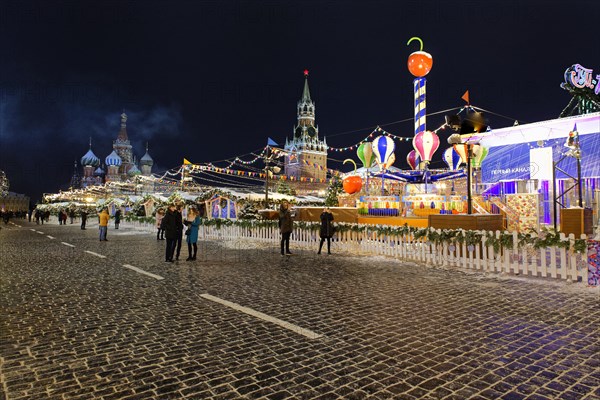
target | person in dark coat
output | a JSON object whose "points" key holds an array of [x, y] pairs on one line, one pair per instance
{"points": [[179, 231], [171, 225], [326, 229], [286, 226], [193, 224], [83, 218], [117, 218]]}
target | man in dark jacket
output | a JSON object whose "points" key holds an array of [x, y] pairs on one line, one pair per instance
{"points": [[172, 225], [83, 218], [327, 229], [286, 226], [179, 239]]}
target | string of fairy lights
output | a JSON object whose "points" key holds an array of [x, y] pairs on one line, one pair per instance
{"points": [[249, 174]]}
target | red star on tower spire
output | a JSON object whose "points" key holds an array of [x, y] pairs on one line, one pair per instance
{"points": [[305, 72]]}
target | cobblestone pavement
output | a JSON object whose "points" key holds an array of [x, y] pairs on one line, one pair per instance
{"points": [[78, 326]]}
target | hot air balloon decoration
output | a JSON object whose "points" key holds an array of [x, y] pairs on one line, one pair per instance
{"points": [[426, 144], [365, 154], [479, 154], [353, 183], [413, 159], [383, 148], [390, 161], [452, 158]]}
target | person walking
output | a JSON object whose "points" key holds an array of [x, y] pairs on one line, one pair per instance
{"points": [[326, 229], [37, 216], [170, 225], [160, 234], [83, 215], [72, 215], [193, 224], [103, 218], [286, 226], [117, 218], [179, 231]]}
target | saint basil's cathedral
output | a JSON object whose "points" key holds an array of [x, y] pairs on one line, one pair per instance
{"points": [[120, 164]]}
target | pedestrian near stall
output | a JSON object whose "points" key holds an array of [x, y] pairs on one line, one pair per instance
{"points": [[170, 224], [117, 218], [83, 218], [193, 224], [179, 231], [327, 229], [103, 218], [160, 234], [286, 226], [72, 215]]}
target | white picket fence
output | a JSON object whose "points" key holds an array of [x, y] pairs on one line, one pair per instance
{"points": [[551, 262]]}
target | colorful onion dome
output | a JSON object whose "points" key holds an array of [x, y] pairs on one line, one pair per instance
{"points": [[134, 170], [113, 159], [90, 159], [99, 172]]}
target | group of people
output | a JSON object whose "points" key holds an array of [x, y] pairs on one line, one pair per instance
{"points": [[170, 225], [286, 226]]}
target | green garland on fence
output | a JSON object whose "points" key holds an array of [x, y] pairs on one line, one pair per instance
{"points": [[445, 236]]}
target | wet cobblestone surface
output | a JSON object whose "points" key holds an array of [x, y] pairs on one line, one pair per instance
{"points": [[77, 326]]}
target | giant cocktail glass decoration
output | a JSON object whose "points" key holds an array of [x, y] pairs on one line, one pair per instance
{"points": [[426, 144]]}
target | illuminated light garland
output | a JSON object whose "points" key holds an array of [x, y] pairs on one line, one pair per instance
{"points": [[381, 131]]}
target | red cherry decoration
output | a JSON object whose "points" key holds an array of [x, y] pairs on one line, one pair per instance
{"points": [[352, 184], [419, 62]]}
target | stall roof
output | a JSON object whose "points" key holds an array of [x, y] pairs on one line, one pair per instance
{"points": [[544, 130]]}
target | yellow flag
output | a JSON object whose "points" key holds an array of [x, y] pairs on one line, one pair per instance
{"points": [[186, 162]]}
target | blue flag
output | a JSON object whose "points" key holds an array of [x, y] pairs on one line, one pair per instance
{"points": [[271, 142]]}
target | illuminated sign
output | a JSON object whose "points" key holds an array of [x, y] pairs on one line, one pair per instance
{"points": [[582, 78]]}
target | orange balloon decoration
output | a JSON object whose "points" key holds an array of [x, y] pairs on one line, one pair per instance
{"points": [[419, 62]]}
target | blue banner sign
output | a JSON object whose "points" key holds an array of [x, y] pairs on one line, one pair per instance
{"points": [[512, 162]]}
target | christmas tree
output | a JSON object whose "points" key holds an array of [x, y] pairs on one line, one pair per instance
{"points": [[335, 188]]}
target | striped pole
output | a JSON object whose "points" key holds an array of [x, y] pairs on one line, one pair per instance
{"points": [[420, 112]]}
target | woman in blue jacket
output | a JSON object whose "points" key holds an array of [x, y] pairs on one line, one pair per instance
{"points": [[193, 224]]}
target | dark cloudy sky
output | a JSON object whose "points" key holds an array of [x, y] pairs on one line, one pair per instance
{"points": [[209, 80]]}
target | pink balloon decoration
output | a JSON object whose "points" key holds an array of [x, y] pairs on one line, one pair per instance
{"points": [[426, 143], [413, 159]]}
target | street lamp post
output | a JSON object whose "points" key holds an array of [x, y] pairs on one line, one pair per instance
{"points": [[469, 150], [267, 159]]}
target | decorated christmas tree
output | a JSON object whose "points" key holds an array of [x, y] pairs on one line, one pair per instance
{"points": [[335, 188]]}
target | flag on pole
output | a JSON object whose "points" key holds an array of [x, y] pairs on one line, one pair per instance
{"points": [[271, 142], [465, 97], [186, 162]]}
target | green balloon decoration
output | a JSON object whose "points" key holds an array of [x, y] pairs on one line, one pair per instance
{"points": [[479, 154], [365, 153]]}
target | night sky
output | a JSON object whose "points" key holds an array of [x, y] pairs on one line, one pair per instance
{"points": [[211, 80]]}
